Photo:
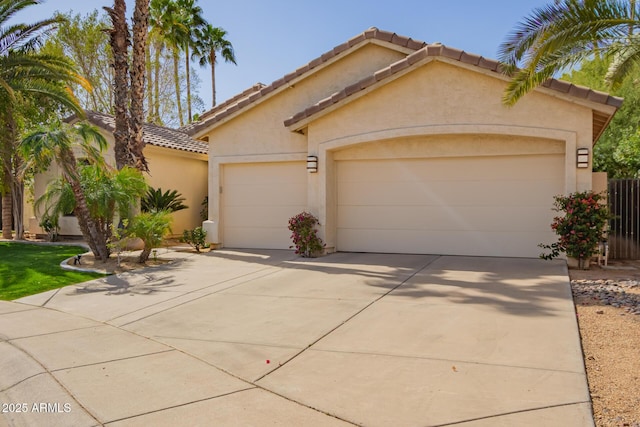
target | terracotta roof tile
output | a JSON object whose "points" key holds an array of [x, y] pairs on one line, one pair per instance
{"points": [[382, 74], [385, 36], [351, 89], [152, 134], [450, 52], [417, 56], [341, 48], [579, 91], [247, 93], [400, 40], [489, 64], [357, 39], [597, 96], [559, 85], [399, 66], [367, 81], [421, 52], [435, 50], [468, 58], [260, 90]]}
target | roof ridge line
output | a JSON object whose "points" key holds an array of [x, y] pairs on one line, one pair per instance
{"points": [[250, 95], [435, 50]]}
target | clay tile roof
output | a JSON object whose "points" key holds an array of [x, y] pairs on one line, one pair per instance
{"points": [[435, 50], [258, 91], [153, 134], [247, 93]]}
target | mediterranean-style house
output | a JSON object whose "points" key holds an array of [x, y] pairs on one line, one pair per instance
{"points": [[399, 146], [176, 162]]}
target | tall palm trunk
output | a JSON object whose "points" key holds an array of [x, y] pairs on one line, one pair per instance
{"points": [[156, 82], [119, 47], [212, 58], [188, 70], [150, 118], [176, 79], [136, 109]]}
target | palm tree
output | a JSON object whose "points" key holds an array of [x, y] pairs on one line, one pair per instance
{"points": [[25, 74], [168, 25], [137, 76], [129, 82], [193, 20], [209, 41], [558, 36], [58, 143]]}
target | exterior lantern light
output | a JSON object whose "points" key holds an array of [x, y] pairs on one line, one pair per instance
{"points": [[312, 164], [583, 157]]}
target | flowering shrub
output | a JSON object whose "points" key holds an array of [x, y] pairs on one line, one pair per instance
{"points": [[581, 228], [304, 234]]}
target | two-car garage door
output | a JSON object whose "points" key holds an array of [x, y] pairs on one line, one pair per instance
{"points": [[494, 205]]}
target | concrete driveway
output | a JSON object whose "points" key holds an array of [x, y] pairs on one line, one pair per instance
{"points": [[254, 338]]}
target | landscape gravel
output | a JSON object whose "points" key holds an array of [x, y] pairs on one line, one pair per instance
{"points": [[608, 309]]}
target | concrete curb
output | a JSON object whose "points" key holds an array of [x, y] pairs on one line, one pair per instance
{"points": [[65, 266]]}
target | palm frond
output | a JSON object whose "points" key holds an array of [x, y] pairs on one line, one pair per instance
{"points": [[559, 36]]}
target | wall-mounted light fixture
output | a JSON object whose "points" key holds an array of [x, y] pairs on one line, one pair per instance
{"points": [[312, 164], [583, 157]]}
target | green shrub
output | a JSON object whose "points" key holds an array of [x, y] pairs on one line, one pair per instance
{"points": [[195, 238], [49, 224], [155, 200], [151, 228]]}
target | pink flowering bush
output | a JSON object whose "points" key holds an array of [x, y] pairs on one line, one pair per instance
{"points": [[581, 228], [305, 235]]}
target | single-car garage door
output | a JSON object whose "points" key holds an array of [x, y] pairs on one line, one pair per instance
{"points": [[257, 201], [482, 205]]}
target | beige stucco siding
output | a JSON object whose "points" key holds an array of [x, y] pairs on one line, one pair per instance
{"points": [[260, 129], [258, 200], [182, 171], [440, 98], [439, 93], [424, 158], [170, 169]]}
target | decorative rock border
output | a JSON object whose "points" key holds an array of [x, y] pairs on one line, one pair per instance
{"points": [[609, 292]]}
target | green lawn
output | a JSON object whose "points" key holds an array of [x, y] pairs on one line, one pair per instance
{"points": [[27, 269]]}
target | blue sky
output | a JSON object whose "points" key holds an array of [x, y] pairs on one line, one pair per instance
{"points": [[272, 38]]}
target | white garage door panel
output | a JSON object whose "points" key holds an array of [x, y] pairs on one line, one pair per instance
{"points": [[498, 206], [257, 201], [445, 242], [466, 169], [450, 193], [263, 194], [439, 219]]}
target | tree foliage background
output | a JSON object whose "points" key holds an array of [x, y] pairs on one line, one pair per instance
{"points": [[617, 152], [85, 42]]}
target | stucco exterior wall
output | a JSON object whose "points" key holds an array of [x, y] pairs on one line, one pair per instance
{"points": [[435, 109], [259, 135], [448, 96], [184, 172], [170, 169]]}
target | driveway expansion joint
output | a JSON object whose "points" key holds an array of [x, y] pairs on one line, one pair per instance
{"points": [[181, 405], [344, 322], [522, 411]]}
